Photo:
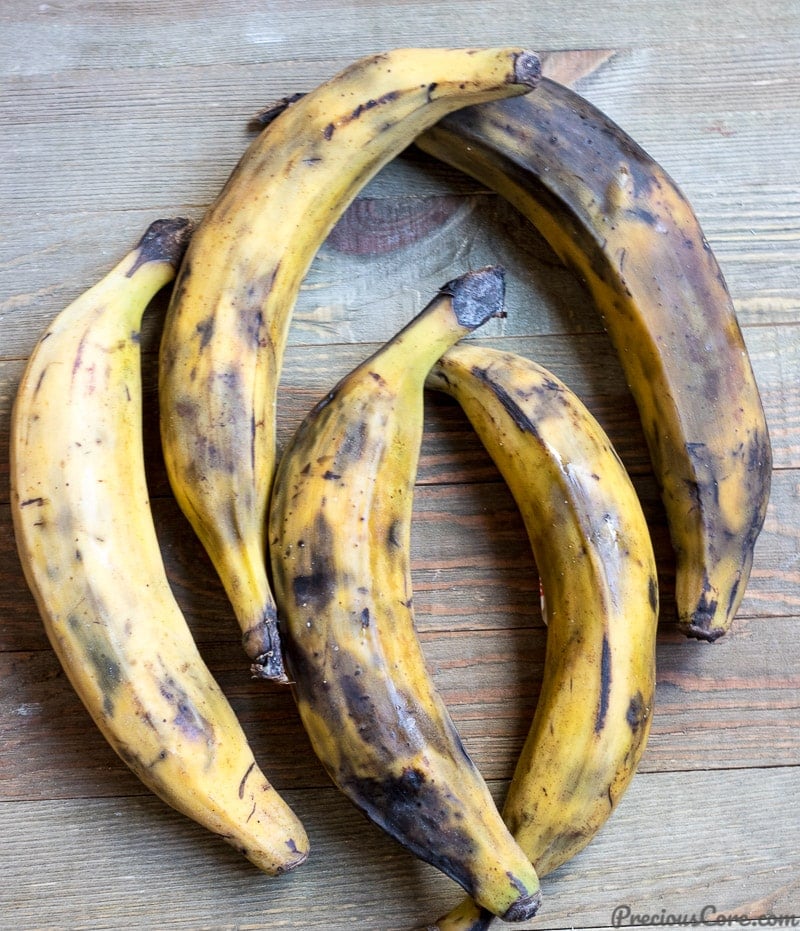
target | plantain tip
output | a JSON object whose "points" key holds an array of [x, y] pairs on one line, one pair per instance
{"points": [[527, 69], [524, 908], [264, 117], [695, 630], [478, 295], [164, 241]]}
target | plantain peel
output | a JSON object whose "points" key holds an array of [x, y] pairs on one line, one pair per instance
{"points": [[613, 214], [225, 331], [597, 573], [89, 550], [339, 526]]}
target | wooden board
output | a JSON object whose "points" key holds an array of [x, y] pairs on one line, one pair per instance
{"points": [[112, 114]]}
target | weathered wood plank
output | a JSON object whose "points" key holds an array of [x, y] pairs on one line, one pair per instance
{"points": [[471, 564], [352, 294], [112, 114], [465, 539], [683, 842], [49, 37], [106, 165], [734, 704], [450, 453]]}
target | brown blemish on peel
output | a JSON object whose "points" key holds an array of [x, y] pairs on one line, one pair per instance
{"points": [[205, 330], [249, 770], [414, 811], [316, 589], [636, 714], [509, 404], [187, 718], [652, 593], [605, 686]]}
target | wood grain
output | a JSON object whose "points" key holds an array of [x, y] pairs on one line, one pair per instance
{"points": [[112, 114], [714, 821]]}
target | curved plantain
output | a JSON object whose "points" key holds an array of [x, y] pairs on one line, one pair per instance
{"points": [[91, 556], [340, 523], [600, 598], [609, 211], [225, 331]]}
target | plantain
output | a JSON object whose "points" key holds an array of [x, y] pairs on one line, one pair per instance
{"points": [[226, 325], [592, 548], [91, 557], [614, 215], [339, 527]]}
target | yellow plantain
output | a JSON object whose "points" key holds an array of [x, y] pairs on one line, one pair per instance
{"points": [[89, 550], [599, 594], [340, 523], [609, 211], [226, 327]]}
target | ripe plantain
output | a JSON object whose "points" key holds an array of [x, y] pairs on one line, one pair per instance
{"points": [[90, 554], [609, 211], [226, 326], [597, 571], [339, 528]]}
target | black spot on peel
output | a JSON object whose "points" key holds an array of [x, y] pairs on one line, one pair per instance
{"points": [[362, 108], [358, 111], [419, 814], [652, 593], [365, 618], [249, 770], [77, 362], [510, 405], [605, 686], [39, 381], [358, 701], [393, 535], [187, 718], [733, 596], [29, 501], [292, 845], [352, 446], [232, 380], [186, 409], [251, 323], [636, 714], [367, 106], [646, 216], [316, 590], [205, 329], [107, 670]]}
